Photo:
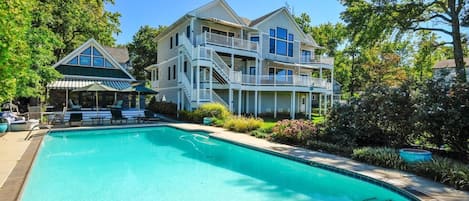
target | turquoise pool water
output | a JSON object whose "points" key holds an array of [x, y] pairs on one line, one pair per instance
{"points": [[167, 164]]}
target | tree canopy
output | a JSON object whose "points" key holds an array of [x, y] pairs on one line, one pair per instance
{"points": [[371, 21], [36, 33], [143, 49]]}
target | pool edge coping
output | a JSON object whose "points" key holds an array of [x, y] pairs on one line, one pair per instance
{"points": [[13, 186]]}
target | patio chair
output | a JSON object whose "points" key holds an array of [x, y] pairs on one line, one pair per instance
{"points": [[73, 106], [76, 118], [117, 116], [150, 116], [59, 117], [117, 105]]}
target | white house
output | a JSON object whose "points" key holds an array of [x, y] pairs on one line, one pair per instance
{"points": [[447, 69], [260, 66]]}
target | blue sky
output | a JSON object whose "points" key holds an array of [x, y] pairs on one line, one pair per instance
{"points": [[136, 13]]}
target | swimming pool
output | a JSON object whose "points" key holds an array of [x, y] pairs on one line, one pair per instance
{"points": [[165, 163]]}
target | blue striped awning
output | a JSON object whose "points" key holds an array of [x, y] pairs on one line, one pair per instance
{"points": [[75, 84]]}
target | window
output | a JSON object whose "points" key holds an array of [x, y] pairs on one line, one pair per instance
{"points": [[305, 56], [157, 74], [205, 29], [169, 73], [188, 31], [185, 66], [252, 70], [282, 47], [255, 38], [272, 46], [171, 43], [281, 42], [90, 57], [174, 71], [231, 34], [281, 33], [271, 71], [177, 39]]}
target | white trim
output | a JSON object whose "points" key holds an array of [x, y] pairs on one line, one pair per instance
{"points": [[92, 43]]}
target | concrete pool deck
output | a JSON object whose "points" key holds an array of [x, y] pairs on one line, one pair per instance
{"points": [[13, 148]]}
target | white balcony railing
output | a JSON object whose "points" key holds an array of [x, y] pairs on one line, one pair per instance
{"points": [[231, 42], [286, 80], [321, 60]]}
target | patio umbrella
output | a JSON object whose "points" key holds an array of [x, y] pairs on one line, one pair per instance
{"points": [[96, 87], [140, 90]]}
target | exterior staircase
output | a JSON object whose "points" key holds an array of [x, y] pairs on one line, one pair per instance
{"points": [[221, 73]]}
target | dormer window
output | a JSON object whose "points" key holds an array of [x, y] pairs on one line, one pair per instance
{"points": [[281, 42]]}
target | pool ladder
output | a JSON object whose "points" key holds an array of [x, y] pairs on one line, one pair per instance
{"points": [[39, 126]]}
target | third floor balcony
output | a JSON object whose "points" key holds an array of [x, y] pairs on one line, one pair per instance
{"points": [[226, 41]]}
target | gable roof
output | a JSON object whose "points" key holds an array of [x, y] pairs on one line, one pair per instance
{"points": [[255, 23], [225, 5], [121, 54], [449, 63], [71, 70], [262, 18]]}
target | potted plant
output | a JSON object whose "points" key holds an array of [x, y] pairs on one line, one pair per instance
{"points": [[3, 125]]}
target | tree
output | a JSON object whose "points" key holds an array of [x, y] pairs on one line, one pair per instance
{"points": [[143, 49], [304, 21], [330, 36], [74, 22], [15, 17], [370, 21]]}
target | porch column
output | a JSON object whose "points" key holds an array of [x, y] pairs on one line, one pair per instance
{"points": [[275, 104], [260, 103], [325, 103], [255, 103], [197, 78], [320, 103], [183, 105], [211, 82], [232, 61], [178, 102], [66, 97], [247, 102], [310, 106], [292, 110], [230, 99], [239, 101]]}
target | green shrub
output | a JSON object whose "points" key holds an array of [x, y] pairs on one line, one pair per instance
{"points": [[162, 107], [259, 134], [329, 148], [384, 157], [218, 122], [445, 171], [294, 131], [216, 110], [242, 124]]}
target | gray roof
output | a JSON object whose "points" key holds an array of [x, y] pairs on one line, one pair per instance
{"points": [[449, 63], [262, 18], [121, 54]]}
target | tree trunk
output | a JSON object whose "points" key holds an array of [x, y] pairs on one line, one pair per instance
{"points": [[457, 44]]}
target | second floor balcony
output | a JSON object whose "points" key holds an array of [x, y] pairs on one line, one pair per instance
{"points": [[226, 41], [280, 80]]}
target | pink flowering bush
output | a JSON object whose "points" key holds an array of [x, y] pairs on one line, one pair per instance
{"points": [[294, 131]]}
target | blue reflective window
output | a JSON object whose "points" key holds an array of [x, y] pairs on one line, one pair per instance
{"points": [[255, 38], [98, 61], [107, 64], [290, 49], [73, 61], [97, 53], [291, 37], [272, 46], [281, 47], [85, 60], [272, 32], [282, 33], [87, 51]]}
